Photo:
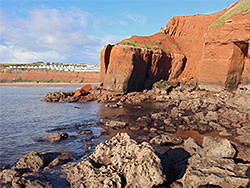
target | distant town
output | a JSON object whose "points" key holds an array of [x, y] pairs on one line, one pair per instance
{"points": [[82, 67]]}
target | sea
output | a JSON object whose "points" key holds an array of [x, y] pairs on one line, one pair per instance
{"points": [[25, 120]]}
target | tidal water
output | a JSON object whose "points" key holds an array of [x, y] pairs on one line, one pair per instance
{"points": [[24, 119]]}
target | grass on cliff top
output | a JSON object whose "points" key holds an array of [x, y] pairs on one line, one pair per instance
{"points": [[148, 46], [242, 7]]}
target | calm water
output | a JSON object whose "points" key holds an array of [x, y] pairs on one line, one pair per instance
{"points": [[24, 119]]}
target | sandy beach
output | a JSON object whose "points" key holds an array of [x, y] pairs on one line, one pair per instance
{"points": [[32, 84]]}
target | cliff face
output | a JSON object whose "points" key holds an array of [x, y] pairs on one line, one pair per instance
{"points": [[16, 75], [136, 63], [225, 54], [208, 49]]}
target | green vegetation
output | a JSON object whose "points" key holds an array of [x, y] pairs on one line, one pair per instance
{"points": [[149, 46], [134, 43], [82, 80], [158, 42], [174, 45], [166, 84], [242, 7]]}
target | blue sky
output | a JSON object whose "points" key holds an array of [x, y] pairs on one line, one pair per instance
{"points": [[75, 31]]}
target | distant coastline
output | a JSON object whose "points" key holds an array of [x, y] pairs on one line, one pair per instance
{"points": [[33, 84], [9, 75]]}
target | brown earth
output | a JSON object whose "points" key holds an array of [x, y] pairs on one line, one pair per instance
{"points": [[191, 49], [16, 75]]}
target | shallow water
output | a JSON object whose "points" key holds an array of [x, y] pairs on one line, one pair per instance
{"points": [[24, 119]]}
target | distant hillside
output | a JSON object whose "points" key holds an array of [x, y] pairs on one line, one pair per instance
{"points": [[8, 75]]}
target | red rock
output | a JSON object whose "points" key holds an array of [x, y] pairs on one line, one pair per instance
{"points": [[94, 88], [49, 76], [226, 53], [190, 49], [125, 67], [83, 91]]}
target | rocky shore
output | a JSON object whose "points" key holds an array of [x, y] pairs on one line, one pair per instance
{"points": [[219, 160], [181, 68], [122, 162]]}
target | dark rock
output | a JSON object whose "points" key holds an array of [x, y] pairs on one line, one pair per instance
{"points": [[56, 137], [57, 96], [33, 179], [56, 158]]}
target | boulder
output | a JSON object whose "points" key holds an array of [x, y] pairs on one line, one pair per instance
{"points": [[166, 139], [242, 152], [31, 179], [86, 174], [212, 116], [83, 91], [56, 137], [213, 164], [210, 172], [243, 139], [32, 161], [119, 162], [191, 146], [56, 158], [7, 175], [217, 148], [243, 131], [57, 96]]}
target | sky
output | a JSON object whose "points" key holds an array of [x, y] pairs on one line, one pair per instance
{"points": [[75, 31]]}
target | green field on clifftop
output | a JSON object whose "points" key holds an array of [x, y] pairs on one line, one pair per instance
{"points": [[242, 7], [148, 46]]}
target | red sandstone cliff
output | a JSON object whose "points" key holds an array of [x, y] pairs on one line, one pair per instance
{"points": [[208, 49], [17, 75]]}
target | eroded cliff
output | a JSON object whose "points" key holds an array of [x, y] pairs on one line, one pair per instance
{"points": [[205, 49]]}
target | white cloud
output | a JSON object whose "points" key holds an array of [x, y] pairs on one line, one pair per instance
{"points": [[19, 55], [136, 18], [49, 35]]}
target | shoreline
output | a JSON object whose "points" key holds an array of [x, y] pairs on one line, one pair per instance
{"points": [[32, 84]]}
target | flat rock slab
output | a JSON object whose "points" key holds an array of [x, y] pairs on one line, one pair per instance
{"points": [[115, 124], [166, 139]]}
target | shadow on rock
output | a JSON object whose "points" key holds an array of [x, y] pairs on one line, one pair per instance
{"points": [[174, 163]]}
